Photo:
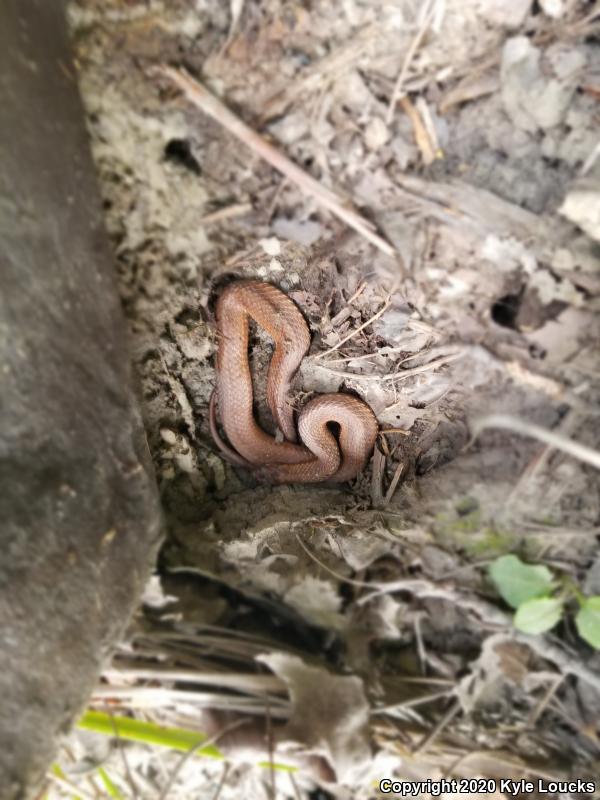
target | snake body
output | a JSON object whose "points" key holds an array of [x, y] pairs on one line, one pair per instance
{"points": [[319, 456]]}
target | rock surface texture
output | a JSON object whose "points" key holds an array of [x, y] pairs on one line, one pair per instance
{"points": [[80, 515]]}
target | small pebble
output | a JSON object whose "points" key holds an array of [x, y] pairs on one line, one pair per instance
{"points": [[271, 246], [376, 133]]}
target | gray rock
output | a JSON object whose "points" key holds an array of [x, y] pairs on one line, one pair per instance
{"points": [[536, 91], [78, 504]]}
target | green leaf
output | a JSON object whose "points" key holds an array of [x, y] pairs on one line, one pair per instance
{"points": [[151, 733], [518, 582], [147, 732], [588, 621], [109, 785], [538, 615]]}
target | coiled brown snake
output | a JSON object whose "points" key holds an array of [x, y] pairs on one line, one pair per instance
{"points": [[320, 456]]}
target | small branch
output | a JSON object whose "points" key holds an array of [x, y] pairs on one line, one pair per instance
{"points": [[199, 96], [392, 487], [185, 757], [353, 333], [429, 739], [376, 479], [507, 422], [422, 137], [436, 362], [397, 92]]}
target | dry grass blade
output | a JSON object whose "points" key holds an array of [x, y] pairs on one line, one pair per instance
{"points": [[211, 105], [155, 697], [249, 683]]}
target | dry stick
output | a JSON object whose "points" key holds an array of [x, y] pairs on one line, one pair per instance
{"points": [[222, 781], [211, 105], [417, 701], [294, 786], [537, 712], [410, 54], [394, 376], [269, 732], [422, 137], [386, 431], [362, 357], [353, 333], [193, 750], [437, 362], [66, 784], [520, 768], [377, 478], [510, 423], [433, 734], [392, 487], [538, 463], [236, 210], [123, 755]]}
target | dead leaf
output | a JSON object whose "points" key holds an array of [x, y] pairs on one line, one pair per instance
{"points": [[330, 714]]}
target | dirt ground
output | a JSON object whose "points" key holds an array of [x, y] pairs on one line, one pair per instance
{"points": [[355, 632]]}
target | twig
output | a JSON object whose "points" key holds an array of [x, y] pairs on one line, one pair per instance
{"points": [[294, 786], [539, 461], [559, 657], [236, 210], [363, 356], [394, 376], [422, 137], [433, 734], [226, 768], [269, 733], [410, 54], [386, 431], [123, 755], [420, 644], [359, 290], [417, 701], [437, 362], [377, 478], [189, 753], [392, 487], [543, 704], [353, 333], [211, 105], [66, 784], [519, 767], [510, 423]]}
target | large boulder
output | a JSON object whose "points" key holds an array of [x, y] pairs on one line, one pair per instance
{"points": [[80, 519]]}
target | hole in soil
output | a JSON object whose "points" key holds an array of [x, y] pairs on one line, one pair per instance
{"points": [[535, 351], [504, 311], [179, 152]]}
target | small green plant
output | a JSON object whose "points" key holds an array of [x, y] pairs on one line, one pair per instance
{"points": [[540, 598]]}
